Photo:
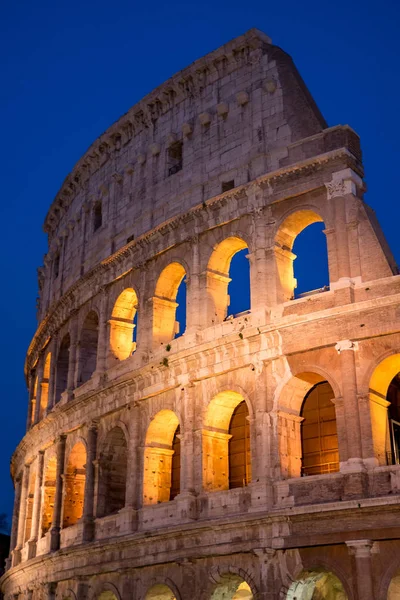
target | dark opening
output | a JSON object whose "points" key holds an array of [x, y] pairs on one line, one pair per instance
{"points": [[239, 448], [113, 473], [239, 286], [227, 185], [62, 367], [97, 216], [176, 465], [175, 158], [393, 396], [311, 264], [130, 239], [88, 347]]}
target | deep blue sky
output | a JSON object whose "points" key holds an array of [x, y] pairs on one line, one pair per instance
{"points": [[69, 69]]}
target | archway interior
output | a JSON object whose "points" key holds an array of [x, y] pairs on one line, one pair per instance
{"points": [[394, 588], [320, 448], [166, 325], [29, 504], [74, 482], [107, 595], [112, 473], [312, 250], [239, 286], [160, 592], [49, 492], [44, 392], [239, 447], [317, 586], [232, 587], [160, 446], [228, 278], [123, 324], [62, 367], [384, 393], [311, 263], [88, 347], [220, 459]]}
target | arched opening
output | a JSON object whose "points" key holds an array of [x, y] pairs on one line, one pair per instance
{"points": [[239, 447], [159, 466], [176, 465], [44, 393], [74, 485], [302, 233], [160, 592], [226, 443], [232, 587], [62, 367], [97, 216], [49, 492], [384, 393], [123, 324], [107, 595], [33, 401], [29, 504], [165, 324], [319, 440], [228, 279], [113, 465], [317, 586], [394, 588], [88, 347]]}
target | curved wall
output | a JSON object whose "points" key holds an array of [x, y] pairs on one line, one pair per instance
{"points": [[127, 478]]}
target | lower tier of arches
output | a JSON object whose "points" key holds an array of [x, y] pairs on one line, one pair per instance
{"points": [[357, 569]]}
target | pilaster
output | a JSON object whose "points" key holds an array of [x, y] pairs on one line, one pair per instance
{"points": [[58, 497], [362, 551]]}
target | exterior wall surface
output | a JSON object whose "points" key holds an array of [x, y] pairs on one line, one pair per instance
{"points": [[231, 153]]}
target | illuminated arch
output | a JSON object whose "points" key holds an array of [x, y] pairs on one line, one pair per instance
{"points": [[381, 378], [74, 482], [160, 591], [218, 278], [44, 392], [322, 584], [287, 232], [217, 434], [122, 324], [113, 466], [159, 456], [292, 436], [88, 347], [49, 492], [233, 586], [165, 326]]}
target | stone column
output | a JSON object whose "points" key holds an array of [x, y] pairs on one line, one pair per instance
{"points": [[186, 497], [39, 373], [22, 515], [36, 505], [344, 183], [15, 518], [103, 340], [195, 318], [52, 379], [58, 497], [88, 503], [361, 550], [346, 349], [31, 404], [72, 361], [133, 496]]}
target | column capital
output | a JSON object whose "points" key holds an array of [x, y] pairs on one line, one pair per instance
{"points": [[346, 345], [344, 182], [361, 548]]}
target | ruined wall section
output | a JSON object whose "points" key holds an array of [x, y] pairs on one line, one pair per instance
{"points": [[231, 115]]}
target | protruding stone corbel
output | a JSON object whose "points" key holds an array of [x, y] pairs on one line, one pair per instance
{"points": [[344, 182], [187, 129], [242, 98], [222, 109], [346, 345], [205, 118]]}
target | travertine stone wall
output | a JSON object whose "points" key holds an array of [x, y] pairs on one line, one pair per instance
{"points": [[93, 516]]}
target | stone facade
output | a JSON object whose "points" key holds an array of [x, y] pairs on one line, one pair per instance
{"points": [[230, 154]]}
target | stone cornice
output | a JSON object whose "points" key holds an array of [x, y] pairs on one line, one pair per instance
{"points": [[187, 83], [135, 254]]}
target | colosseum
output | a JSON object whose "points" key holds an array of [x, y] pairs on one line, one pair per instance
{"points": [[176, 450]]}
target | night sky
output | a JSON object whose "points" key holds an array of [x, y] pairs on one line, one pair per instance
{"points": [[70, 69]]}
